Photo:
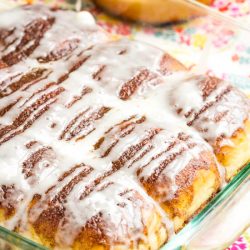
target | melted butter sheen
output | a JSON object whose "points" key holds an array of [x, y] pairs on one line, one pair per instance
{"points": [[85, 121]]}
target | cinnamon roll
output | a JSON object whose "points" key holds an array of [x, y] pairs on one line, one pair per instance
{"points": [[220, 113], [177, 169]]}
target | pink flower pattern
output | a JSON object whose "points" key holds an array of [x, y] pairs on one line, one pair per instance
{"points": [[239, 244]]}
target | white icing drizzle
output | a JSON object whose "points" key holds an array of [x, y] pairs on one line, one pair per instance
{"points": [[52, 138], [227, 108]]}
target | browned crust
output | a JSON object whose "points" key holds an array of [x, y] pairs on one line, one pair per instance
{"points": [[235, 157], [169, 65], [179, 205], [10, 193], [48, 221]]}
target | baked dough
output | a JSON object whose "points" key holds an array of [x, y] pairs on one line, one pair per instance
{"points": [[155, 12], [220, 113]]}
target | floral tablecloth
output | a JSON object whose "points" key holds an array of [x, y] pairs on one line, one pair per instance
{"points": [[232, 62]]}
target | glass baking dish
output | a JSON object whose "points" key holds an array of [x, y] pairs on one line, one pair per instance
{"points": [[233, 197], [202, 50]]}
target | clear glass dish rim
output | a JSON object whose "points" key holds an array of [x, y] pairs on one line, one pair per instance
{"points": [[184, 235], [217, 14], [175, 242]]}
